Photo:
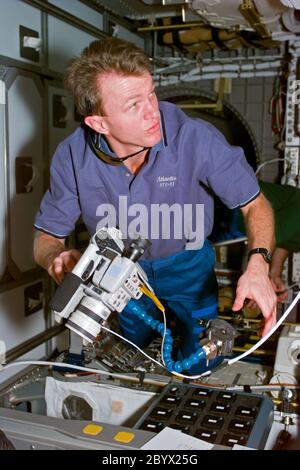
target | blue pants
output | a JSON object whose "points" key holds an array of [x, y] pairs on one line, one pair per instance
{"points": [[186, 285]]}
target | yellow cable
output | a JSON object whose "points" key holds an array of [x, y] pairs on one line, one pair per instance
{"points": [[152, 297]]}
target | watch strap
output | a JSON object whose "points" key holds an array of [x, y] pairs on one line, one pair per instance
{"points": [[262, 251]]}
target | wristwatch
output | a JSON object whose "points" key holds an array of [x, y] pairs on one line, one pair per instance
{"points": [[262, 251]]}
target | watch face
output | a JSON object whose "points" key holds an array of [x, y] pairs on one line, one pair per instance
{"points": [[264, 252], [269, 257]]}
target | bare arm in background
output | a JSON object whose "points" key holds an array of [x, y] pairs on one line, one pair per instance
{"points": [[278, 259], [255, 284], [51, 254]]}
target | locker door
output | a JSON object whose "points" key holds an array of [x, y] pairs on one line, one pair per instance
{"points": [[62, 119], [64, 43], [25, 143], [19, 20]]}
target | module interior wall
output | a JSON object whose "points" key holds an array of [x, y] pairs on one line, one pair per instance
{"points": [[251, 97]]}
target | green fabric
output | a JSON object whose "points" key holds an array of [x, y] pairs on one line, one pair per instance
{"points": [[285, 201]]}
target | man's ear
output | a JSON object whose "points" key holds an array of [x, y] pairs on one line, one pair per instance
{"points": [[97, 123]]}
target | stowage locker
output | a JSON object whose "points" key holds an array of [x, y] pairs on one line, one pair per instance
{"points": [[25, 152], [20, 32]]}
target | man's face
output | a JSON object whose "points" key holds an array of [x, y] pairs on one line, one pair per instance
{"points": [[130, 111]]}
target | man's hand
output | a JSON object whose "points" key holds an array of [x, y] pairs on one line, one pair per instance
{"points": [[50, 253], [278, 259], [279, 287], [255, 285], [62, 264]]}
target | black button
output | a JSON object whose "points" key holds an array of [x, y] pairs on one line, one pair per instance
{"points": [[212, 421], [219, 407], [246, 411], [161, 413], [177, 391], [153, 426], [187, 417], [231, 439], [240, 426], [226, 396], [170, 400], [205, 435], [195, 404], [202, 393]]}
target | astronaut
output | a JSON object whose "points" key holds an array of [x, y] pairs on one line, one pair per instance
{"points": [[152, 170]]}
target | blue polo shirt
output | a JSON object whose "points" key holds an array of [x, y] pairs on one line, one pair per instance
{"points": [[165, 201]]}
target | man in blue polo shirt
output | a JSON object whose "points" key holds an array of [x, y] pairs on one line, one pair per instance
{"points": [[148, 168]]}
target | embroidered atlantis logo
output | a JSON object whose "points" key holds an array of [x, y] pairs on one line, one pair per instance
{"points": [[166, 181], [155, 222]]}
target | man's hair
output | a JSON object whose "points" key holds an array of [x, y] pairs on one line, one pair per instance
{"points": [[100, 57]]}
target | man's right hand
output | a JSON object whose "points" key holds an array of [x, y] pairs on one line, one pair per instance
{"points": [[62, 264], [51, 253], [280, 288]]}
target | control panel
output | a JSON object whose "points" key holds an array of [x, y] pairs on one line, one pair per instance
{"points": [[216, 416]]}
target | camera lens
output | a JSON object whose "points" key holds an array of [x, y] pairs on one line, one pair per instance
{"points": [[85, 320], [136, 249]]}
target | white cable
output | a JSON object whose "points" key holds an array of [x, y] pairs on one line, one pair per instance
{"points": [[263, 388], [190, 377], [64, 365], [257, 345], [267, 336], [116, 375], [273, 160], [132, 344], [86, 369], [231, 361], [153, 360]]}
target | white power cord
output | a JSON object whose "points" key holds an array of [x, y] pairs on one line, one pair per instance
{"points": [[267, 336], [132, 344], [273, 160], [256, 346], [63, 365], [86, 369], [190, 377]]}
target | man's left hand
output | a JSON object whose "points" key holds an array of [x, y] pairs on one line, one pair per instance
{"points": [[255, 285]]}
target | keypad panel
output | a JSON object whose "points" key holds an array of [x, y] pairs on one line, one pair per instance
{"points": [[219, 417]]}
